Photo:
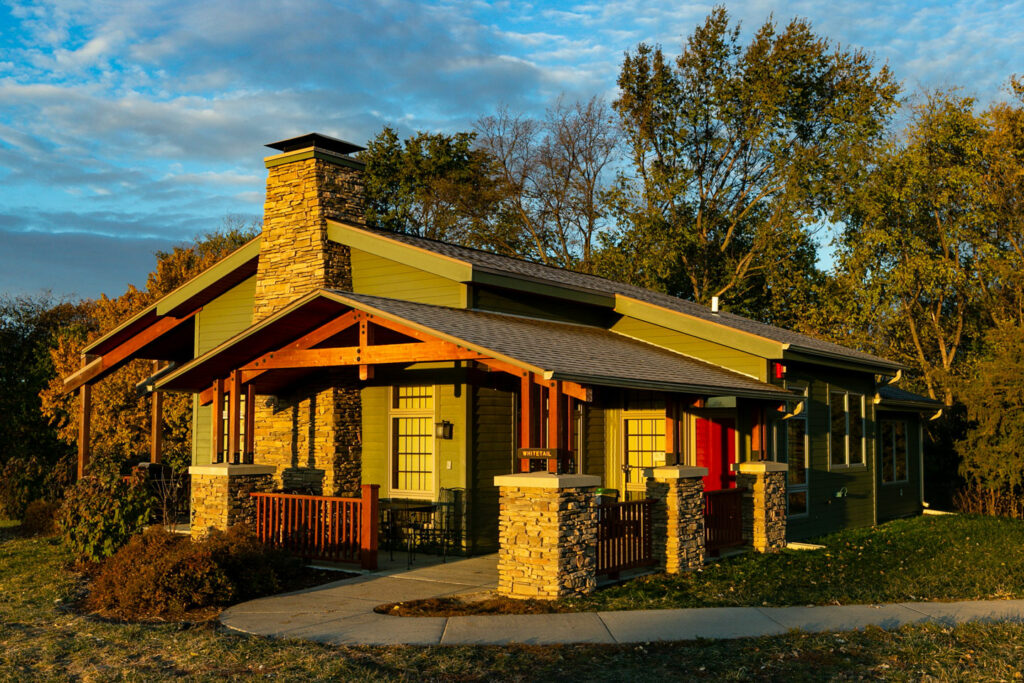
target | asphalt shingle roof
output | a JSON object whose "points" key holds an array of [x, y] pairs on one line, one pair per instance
{"points": [[593, 283], [574, 352], [887, 392]]}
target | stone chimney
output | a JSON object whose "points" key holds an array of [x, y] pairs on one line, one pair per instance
{"points": [[313, 178], [312, 434]]}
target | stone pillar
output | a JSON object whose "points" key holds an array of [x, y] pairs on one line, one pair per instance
{"points": [[312, 437], [547, 531], [764, 504], [220, 495], [677, 522]]}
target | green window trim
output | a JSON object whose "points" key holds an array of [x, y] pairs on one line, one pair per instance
{"points": [[893, 437], [848, 417], [791, 445]]}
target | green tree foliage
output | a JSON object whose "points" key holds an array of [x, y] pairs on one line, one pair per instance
{"points": [[735, 150], [993, 393], [34, 464], [431, 184], [120, 423]]}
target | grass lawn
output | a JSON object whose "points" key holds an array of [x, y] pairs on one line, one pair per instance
{"points": [[40, 640], [922, 558]]}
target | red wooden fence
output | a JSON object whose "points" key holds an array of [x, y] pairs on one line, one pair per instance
{"points": [[321, 527], [723, 520], [623, 536]]}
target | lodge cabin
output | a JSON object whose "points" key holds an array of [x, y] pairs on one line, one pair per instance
{"points": [[325, 356]]}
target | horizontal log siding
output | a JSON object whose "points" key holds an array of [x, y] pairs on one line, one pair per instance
{"points": [[221, 319], [828, 513], [491, 456], [707, 351], [379, 276]]}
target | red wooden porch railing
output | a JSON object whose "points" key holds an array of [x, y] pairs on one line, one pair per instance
{"points": [[723, 520], [623, 536], [321, 527]]}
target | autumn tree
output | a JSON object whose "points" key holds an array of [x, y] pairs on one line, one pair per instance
{"points": [[735, 151], [120, 423]]}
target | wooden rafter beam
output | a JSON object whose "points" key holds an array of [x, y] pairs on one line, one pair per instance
{"points": [[113, 359], [419, 352]]}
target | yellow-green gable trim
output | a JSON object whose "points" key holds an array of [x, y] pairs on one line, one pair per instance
{"points": [[378, 245], [208, 277], [704, 329]]}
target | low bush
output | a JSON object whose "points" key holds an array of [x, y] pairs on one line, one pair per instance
{"points": [[102, 512], [40, 518], [23, 480], [159, 575]]}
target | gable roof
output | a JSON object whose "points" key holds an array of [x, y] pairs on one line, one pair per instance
{"points": [[616, 292], [563, 351], [893, 397]]}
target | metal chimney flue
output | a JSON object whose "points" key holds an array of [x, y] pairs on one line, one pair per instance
{"points": [[714, 304]]}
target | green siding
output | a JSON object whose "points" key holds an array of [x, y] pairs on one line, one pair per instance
{"points": [[538, 306], [826, 512], [221, 319], [449, 454], [379, 276], [593, 441], [901, 499], [492, 454], [709, 352]]}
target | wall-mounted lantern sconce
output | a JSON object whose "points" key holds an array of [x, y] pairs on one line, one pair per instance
{"points": [[443, 429]]}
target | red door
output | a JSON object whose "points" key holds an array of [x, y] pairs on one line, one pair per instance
{"points": [[716, 450]]}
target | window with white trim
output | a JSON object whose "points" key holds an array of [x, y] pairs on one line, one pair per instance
{"points": [[412, 440], [791, 447], [894, 451], [846, 444]]}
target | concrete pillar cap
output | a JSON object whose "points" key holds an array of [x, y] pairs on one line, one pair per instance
{"points": [[679, 472], [546, 480], [226, 470], [760, 467]]}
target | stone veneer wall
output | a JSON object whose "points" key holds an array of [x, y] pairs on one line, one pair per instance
{"points": [[220, 497], [547, 531], [677, 519], [313, 438], [764, 504]]}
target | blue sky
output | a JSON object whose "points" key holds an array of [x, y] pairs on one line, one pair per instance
{"points": [[126, 127]]}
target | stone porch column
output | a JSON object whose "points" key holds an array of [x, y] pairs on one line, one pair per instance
{"points": [[764, 504], [220, 495], [678, 517], [547, 531]]}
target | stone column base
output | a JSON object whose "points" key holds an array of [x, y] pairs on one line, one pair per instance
{"points": [[678, 517], [547, 535], [764, 504], [220, 495]]}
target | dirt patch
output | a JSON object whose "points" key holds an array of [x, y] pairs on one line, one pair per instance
{"points": [[460, 607]]}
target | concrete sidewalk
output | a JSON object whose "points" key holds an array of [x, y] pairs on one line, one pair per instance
{"points": [[342, 613]]}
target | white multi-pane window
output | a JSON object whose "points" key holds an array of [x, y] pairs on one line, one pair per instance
{"points": [[412, 440], [846, 443], [791, 447], [894, 451]]}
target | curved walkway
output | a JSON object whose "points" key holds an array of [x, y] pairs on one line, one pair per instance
{"points": [[342, 613]]}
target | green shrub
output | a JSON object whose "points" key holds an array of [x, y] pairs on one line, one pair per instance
{"points": [[23, 480], [102, 512], [40, 518], [159, 575]]}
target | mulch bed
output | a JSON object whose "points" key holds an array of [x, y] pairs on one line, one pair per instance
{"points": [[456, 607]]}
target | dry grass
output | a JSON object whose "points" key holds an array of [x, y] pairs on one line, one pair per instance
{"points": [[40, 640]]}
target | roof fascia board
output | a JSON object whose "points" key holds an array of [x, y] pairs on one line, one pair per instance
{"points": [[148, 310], [379, 245], [523, 284], [779, 395], [312, 153], [214, 273], [842, 362], [717, 333]]}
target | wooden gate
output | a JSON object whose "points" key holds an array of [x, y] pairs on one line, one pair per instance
{"points": [[723, 520], [623, 536], [321, 527]]}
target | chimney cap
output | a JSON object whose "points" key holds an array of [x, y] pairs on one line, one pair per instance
{"points": [[324, 142]]}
